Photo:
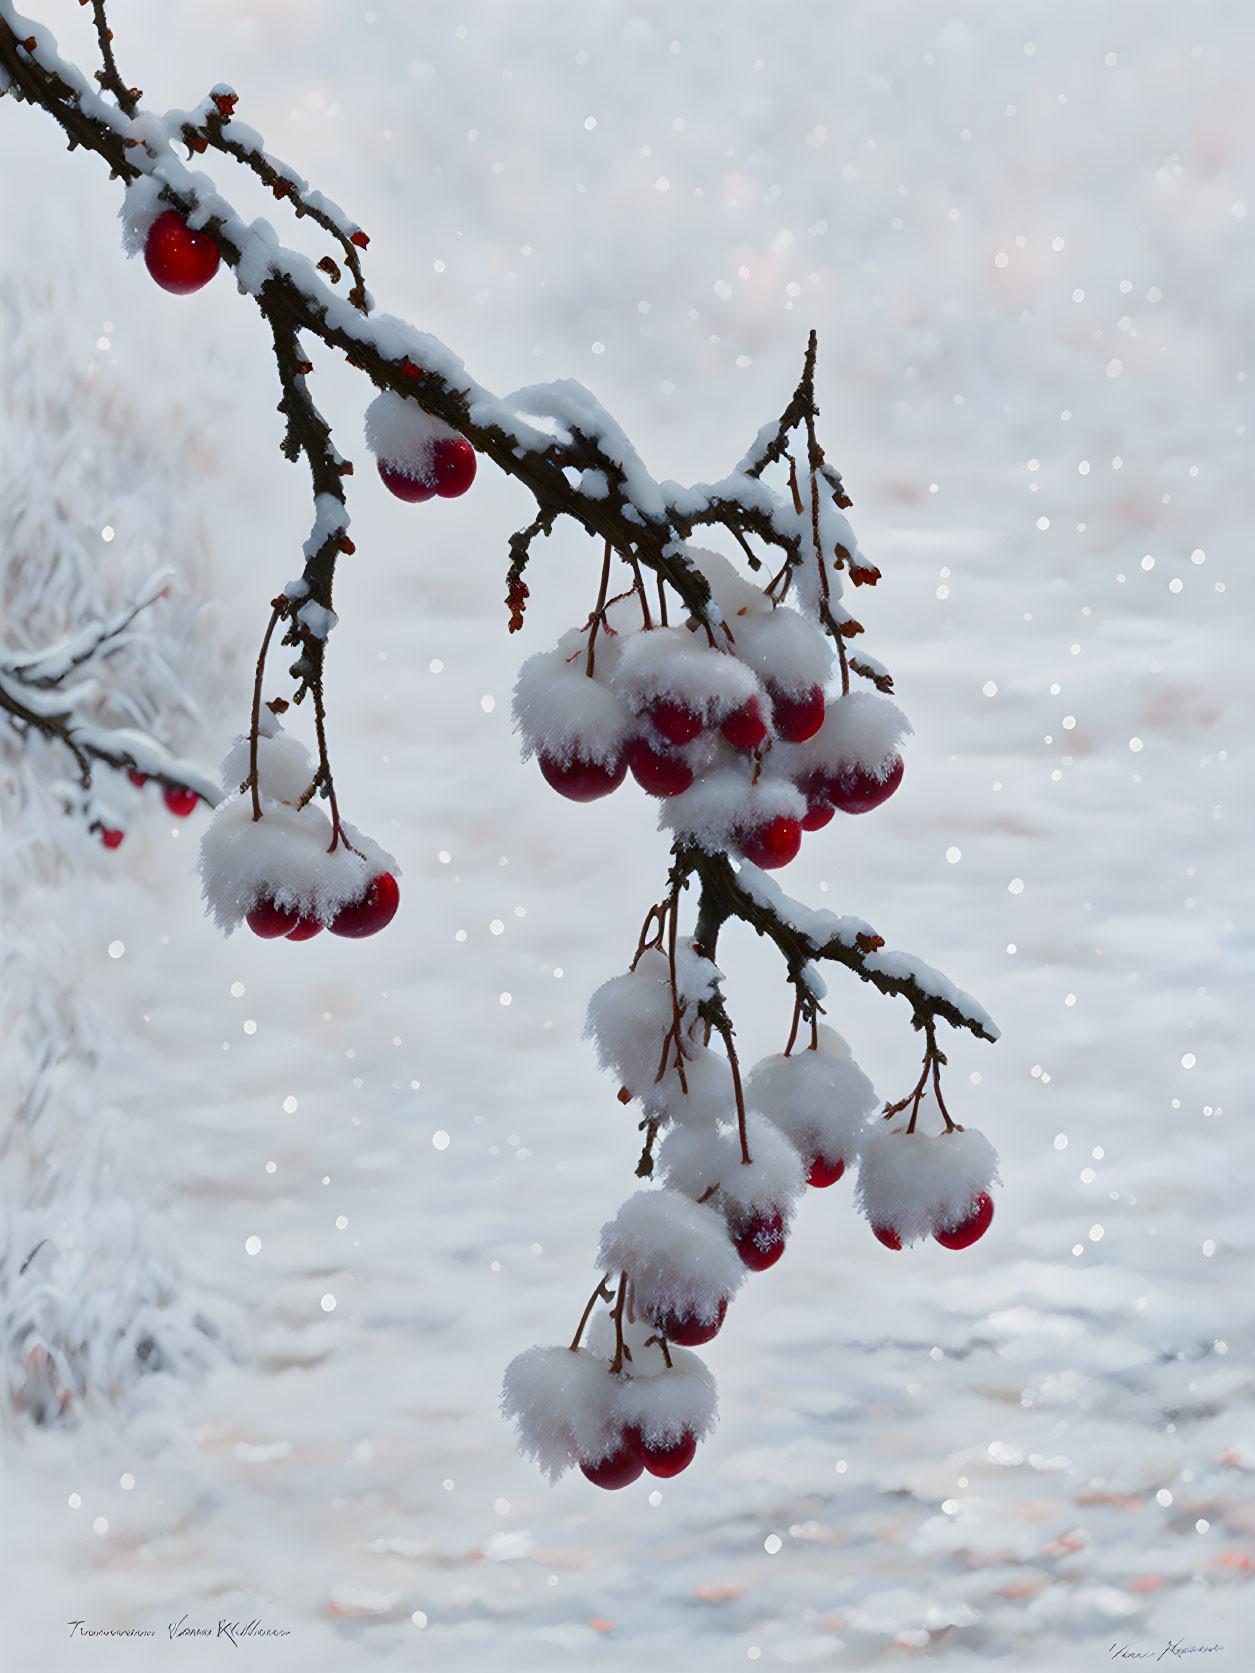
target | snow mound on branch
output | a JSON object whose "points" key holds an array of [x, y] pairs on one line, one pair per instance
{"points": [[676, 1253], [564, 1405], [562, 714], [400, 433], [785, 650], [666, 1406], [818, 1100], [918, 1183], [283, 857], [696, 977], [860, 730], [672, 663], [725, 801]]}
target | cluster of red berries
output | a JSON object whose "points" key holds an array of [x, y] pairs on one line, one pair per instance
{"points": [[367, 916], [653, 757], [178, 799], [974, 1225], [632, 1456]]}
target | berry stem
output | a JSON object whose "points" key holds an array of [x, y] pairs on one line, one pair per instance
{"points": [[601, 1293], [621, 1349], [596, 619], [278, 610]]}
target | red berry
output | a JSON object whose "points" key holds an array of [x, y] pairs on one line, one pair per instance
{"points": [[686, 1330], [967, 1231], [676, 721], [798, 718], [774, 844], [180, 800], [406, 487], [658, 772], [856, 791], [179, 259], [745, 727], [139, 780], [452, 465], [761, 1243], [111, 839], [824, 1173], [304, 929], [622, 1467], [667, 1461], [271, 921], [887, 1236], [817, 815], [583, 781], [375, 910]]}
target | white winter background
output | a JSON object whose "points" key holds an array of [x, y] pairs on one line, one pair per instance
{"points": [[1020, 232]]}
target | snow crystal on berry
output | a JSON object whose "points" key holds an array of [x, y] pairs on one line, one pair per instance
{"points": [[677, 1254], [785, 650], [400, 433], [918, 1183], [819, 1100], [674, 1402], [562, 714], [564, 1405]]}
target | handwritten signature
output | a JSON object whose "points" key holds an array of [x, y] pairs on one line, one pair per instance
{"points": [[1174, 1647]]}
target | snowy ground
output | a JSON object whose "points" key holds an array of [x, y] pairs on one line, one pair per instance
{"points": [[1019, 231]]}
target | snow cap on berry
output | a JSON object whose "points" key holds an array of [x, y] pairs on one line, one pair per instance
{"points": [[735, 594], [672, 1403], [564, 1406], [628, 1018], [673, 664], [818, 1100], [677, 1254], [706, 1096], [141, 205], [785, 650], [400, 434], [562, 714], [283, 857], [696, 1161], [918, 1183], [284, 767], [724, 801], [861, 730]]}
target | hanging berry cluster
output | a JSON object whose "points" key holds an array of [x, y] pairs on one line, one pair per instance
{"points": [[728, 697]]}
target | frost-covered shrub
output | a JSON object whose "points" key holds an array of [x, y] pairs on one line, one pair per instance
{"points": [[730, 692]]}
